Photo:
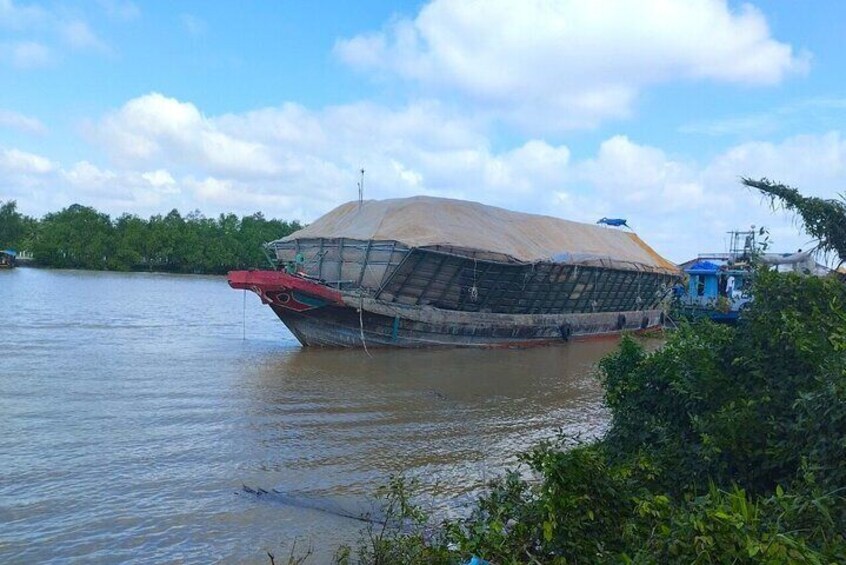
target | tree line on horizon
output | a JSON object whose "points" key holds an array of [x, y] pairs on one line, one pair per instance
{"points": [[81, 237]]}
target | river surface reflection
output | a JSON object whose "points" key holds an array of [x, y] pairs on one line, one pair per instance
{"points": [[134, 412]]}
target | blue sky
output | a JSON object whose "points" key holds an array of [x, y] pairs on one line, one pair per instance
{"points": [[648, 109]]}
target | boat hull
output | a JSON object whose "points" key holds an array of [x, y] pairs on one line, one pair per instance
{"points": [[319, 316], [347, 327]]}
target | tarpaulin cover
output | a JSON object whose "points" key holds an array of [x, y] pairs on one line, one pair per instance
{"points": [[424, 221], [703, 267]]}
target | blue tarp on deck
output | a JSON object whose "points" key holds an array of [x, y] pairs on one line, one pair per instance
{"points": [[702, 268]]}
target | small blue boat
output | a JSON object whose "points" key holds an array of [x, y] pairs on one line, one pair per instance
{"points": [[718, 292], [719, 285], [7, 258]]}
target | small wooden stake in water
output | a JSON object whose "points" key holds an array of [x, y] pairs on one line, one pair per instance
{"points": [[244, 310]]}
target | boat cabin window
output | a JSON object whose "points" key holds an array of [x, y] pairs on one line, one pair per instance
{"points": [[700, 285]]}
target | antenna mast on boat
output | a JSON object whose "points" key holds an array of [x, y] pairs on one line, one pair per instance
{"points": [[742, 243], [361, 190]]}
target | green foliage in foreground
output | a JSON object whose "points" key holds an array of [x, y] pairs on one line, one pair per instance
{"points": [[83, 238], [727, 445]]}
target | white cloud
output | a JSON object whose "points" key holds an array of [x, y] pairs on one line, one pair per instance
{"points": [[816, 163], [160, 179], [43, 34], [229, 193], [124, 10], [295, 163], [289, 158], [15, 161], [556, 65], [129, 189], [292, 159], [42, 185], [682, 207], [78, 35], [308, 161], [24, 174], [154, 128], [17, 17], [20, 122], [643, 175], [25, 54]]}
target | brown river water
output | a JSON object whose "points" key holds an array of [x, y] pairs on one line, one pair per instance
{"points": [[134, 408]]}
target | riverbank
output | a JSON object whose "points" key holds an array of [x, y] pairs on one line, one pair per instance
{"points": [[37, 267], [80, 237]]}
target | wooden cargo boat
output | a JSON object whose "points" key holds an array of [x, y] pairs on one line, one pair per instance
{"points": [[423, 272]]}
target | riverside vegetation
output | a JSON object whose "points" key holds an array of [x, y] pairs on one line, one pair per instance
{"points": [[726, 445], [80, 237]]}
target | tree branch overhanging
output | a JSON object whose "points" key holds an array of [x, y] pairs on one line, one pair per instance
{"points": [[823, 219]]}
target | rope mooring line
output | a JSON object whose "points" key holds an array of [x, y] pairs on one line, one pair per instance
{"points": [[361, 321]]}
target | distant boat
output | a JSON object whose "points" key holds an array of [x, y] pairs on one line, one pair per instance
{"points": [[7, 258], [423, 272], [718, 291], [719, 285]]}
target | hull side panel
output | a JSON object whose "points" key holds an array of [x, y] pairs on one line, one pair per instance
{"points": [[338, 326]]}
